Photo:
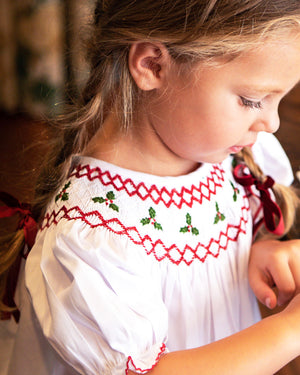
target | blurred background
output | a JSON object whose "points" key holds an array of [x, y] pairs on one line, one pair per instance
{"points": [[41, 66], [40, 53]]}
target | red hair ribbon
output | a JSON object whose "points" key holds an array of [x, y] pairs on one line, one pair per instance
{"points": [[272, 215], [28, 224]]}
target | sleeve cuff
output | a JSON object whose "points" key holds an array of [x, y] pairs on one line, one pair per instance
{"points": [[147, 360]]}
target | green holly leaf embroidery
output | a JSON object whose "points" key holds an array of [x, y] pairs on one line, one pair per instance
{"points": [[98, 200], [145, 221], [110, 195], [184, 229], [151, 219], [152, 213], [189, 227], [114, 207], [63, 194], [234, 163], [65, 197], [195, 231], [219, 216], [188, 219], [235, 191], [108, 200], [157, 226]]}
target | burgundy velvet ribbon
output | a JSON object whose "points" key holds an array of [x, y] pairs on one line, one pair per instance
{"points": [[28, 224], [272, 215]]}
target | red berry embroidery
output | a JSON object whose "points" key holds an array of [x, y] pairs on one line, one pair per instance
{"points": [[189, 228], [151, 219], [219, 216], [108, 200]]}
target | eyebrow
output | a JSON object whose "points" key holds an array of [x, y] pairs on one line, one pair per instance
{"points": [[268, 89], [264, 89]]}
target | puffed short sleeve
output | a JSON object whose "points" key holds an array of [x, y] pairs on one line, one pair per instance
{"points": [[272, 159], [98, 299]]}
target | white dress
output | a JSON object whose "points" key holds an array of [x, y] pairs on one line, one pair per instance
{"points": [[128, 266]]}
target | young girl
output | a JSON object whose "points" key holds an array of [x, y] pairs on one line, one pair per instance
{"points": [[152, 200]]}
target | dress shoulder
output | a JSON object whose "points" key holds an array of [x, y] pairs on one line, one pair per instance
{"points": [[99, 306], [96, 298]]}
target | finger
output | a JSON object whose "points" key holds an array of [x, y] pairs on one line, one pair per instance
{"points": [[284, 281], [295, 270], [262, 285]]}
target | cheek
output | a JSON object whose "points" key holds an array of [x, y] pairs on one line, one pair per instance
{"points": [[226, 116], [193, 118]]}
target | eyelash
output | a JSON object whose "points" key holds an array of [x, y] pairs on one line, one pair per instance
{"points": [[251, 104]]}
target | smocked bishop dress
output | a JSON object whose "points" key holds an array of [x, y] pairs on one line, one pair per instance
{"points": [[128, 266]]}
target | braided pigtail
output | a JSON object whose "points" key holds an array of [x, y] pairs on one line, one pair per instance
{"points": [[286, 197], [11, 246]]}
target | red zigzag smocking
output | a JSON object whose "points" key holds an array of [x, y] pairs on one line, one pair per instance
{"points": [[178, 198], [157, 248]]}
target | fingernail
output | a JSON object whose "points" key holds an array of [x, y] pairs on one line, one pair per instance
{"points": [[268, 302]]}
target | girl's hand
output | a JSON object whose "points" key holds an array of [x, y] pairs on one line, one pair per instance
{"points": [[275, 264]]}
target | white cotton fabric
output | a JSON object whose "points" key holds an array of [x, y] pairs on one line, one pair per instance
{"points": [[157, 266], [272, 159]]}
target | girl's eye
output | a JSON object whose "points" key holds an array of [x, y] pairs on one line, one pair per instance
{"points": [[250, 103]]}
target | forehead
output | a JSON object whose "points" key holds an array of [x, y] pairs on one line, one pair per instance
{"points": [[273, 62], [273, 66]]}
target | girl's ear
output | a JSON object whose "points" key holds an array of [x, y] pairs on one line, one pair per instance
{"points": [[148, 64]]}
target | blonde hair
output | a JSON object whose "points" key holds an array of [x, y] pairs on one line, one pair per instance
{"points": [[191, 30], [286, 197]]}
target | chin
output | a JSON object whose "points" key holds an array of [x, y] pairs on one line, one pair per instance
{"points": [[215, 159]]}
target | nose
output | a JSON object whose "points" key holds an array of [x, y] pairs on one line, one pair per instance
{"points": [[268, 121]]}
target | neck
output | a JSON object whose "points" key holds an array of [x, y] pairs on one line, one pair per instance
{"points": [[139, 149]]}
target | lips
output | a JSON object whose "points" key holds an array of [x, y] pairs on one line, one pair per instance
{"points": [[235, 149]]}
